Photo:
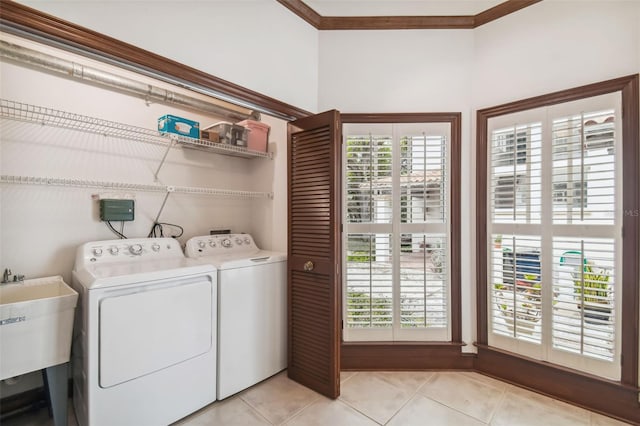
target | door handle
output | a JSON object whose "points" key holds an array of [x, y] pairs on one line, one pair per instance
{"points": [[308, 266]]}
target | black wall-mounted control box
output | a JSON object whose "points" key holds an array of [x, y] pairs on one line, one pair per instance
{"points": [[116, 210]]}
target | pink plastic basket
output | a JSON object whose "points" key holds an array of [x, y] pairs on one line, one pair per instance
{"points": [[258, 135]]}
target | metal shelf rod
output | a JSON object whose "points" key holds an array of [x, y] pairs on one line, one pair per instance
{"points": [[84, 183]]}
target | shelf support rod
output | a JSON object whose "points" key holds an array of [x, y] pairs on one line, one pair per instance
{"points": [[170, 189], [164, 157]]}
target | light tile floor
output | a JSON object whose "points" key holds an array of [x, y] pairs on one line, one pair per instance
{"points": [[382, 398]]}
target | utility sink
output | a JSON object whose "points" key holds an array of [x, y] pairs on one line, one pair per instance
{"points": [[36, 322]]}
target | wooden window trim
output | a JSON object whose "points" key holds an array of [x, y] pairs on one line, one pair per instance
{"points": [[420, 355], [576, 386]]}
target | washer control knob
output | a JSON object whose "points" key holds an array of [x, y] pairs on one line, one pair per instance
{"points": [[97, 252], [113, 250], [201, 244], [155, 247], [247, 240], [239, 241], [226, 243], [135, 249], [212, 243]]}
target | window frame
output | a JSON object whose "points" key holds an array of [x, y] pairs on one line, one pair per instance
{"points": [[628, 86]]}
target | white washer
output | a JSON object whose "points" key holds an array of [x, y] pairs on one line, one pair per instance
{"points": [[252, 308], [144, 350]]}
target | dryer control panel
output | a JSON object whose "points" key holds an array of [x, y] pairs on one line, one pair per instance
{"points": [[212, 245], [129, 249]]}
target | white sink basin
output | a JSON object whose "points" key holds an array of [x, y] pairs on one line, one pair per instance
{"points": [[36, 322]]}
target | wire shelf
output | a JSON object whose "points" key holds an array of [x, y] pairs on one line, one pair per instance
{"points": [[51, 117], [121, 186], [219, 148]]}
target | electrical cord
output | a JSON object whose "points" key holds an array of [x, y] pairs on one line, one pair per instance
{"points": [[157, 230], [119, 234]]}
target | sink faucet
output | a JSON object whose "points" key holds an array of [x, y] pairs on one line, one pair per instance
{"points": [[6, 275]]}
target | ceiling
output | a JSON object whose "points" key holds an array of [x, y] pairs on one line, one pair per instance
{"points": [[400, 7]]}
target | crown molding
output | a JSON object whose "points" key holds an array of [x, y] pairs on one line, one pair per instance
{"points": [[320, 22]]}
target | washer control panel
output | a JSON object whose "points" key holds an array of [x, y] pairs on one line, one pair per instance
{"points": [[212, 245], [130, 250]]}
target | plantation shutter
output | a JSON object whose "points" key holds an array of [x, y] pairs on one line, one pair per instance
{"points": [[396, 232], [515, 310], [584, 263], [555, 209], [368, 202], [424, 240], [314, 252]]}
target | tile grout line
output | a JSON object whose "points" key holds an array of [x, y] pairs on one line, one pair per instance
{"points": [[346, 402], [296, 413], [400, 409], [457, 410], [411, 395], [498, 405], [254, 410]]}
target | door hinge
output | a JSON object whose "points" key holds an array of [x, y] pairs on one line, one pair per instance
{"points": [[341, 228], [342, 324]]}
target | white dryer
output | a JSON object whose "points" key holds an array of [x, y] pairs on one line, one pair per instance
{"points": [[252, 308], [144, 350]]}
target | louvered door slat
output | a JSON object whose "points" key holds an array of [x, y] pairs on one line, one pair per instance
{"points": [[314, 252]]}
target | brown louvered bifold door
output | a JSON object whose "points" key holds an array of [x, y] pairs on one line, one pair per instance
{"points": [[314, 252]]}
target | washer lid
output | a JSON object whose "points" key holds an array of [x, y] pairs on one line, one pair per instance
{"points": [[124, 273], [243, 260]]}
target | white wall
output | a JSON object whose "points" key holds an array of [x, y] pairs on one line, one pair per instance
{"points": [[395, 71], [554, 45], [246, 42], [407, 71], [550, 46]]}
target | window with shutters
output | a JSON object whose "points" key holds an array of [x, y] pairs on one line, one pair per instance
{"points": [[396, 240], [556, 224]]}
